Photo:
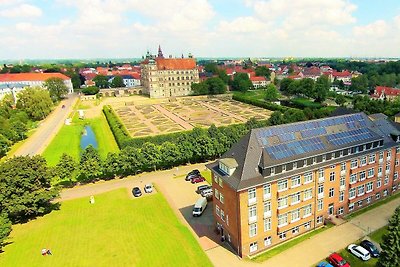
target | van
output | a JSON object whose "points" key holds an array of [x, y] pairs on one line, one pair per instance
{"points": [[207, 193], [199, 206]]}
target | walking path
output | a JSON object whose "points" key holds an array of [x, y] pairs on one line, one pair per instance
{"points": [[174, 117], [307, 253], [47, 129], [229, 114]]}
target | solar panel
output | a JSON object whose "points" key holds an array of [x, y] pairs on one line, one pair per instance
{"points": [[286, 150], [342, 138]]}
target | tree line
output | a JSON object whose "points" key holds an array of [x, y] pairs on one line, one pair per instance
{"points": [[317, 90]]}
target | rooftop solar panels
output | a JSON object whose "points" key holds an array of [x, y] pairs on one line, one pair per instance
{"points": [[313, 132], [343, 138], [282, 151]]}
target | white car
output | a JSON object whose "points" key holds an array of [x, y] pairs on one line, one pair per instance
{"points": [[359, 252], [148, 188]]}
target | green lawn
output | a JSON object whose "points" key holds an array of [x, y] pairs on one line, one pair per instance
{"points": [[356, 262], [68, 139], [378, 234], [302, 102], [291, 243], [258, 94], [115, 231], [207, 174]]}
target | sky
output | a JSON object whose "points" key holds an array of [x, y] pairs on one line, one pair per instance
{"points": [[45, 29]]}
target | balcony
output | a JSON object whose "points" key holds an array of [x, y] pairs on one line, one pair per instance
{"points": [[267, 214], [321, 179], [320, 195], [342, 188]]}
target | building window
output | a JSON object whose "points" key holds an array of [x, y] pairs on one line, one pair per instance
{"points": [[371, 158], [352, 193], [282, 202], [397, 150], [307, 211], [341, 153], [351, 206], [342, 181], [272, 171], [222, 215], [332, 166], [308, 178], [295, 230], [283, 167], [253, 229], [253, 247], [307, 225], [386, 181], [323, 158], [370, 187], [217, 210], [294, 165], [295, 198], [371, 172], [360, 190], [267, 224], [332, 176], [341, 196], [359, 203], [363, 161], [307, 194], [381, 155], [353, 178], [385, 192], [220, 182], [267, 241], [216, 193], [388, 154], [369, 199], [253, 213], [320, 204], [221, 198], [396, 162], [387, 167], [295, 215], [282, 236], [321, 173], [296, 181], [395, 176], [340, 210], [362, 176], [353, 164], [282, 220], [267, 190], [378, 183], [320, 219], [343, 166], [252, 195], [380, 170], [377, 196], [282, 185], [331, 192]]}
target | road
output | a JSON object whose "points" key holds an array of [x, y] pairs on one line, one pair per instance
{"points": [[47, 129]]}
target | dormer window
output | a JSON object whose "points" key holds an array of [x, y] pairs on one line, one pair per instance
{"points": [[228, 165]]}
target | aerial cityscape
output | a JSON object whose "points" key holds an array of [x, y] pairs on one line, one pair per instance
{"points": [[200, 133]]}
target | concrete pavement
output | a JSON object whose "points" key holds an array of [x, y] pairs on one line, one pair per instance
{"points": [[47, 129]]}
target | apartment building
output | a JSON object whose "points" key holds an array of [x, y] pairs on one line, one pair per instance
{"points": [[282, 181]]}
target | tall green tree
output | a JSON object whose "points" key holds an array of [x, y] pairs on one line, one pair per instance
{"points": [[25, 188], [151, 156], [390, 245], [66, 167], [56, 87], [216, 86], [321, 90], [101, 81], [90, 167], [241, 82], [271, 93], [263, 71], [285, 84], [340, 100], [36, 102], [5, 229], [117, 82], [5, 145]]}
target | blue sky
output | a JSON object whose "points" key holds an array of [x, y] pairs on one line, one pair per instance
{"points": [[206, 28]]}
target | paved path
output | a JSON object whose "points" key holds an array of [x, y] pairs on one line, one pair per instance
{"points": [[174, 117], [225, 112], [180, 197], [47, 129]]}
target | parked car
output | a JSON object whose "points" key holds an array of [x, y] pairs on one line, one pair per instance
{"points": [[324, 264], [148, 188], [136, 192], [337, 261], [359, 252], [198, 179], [199, 207], [207, 193], [202, 188], [192, 174], [372, 249]]}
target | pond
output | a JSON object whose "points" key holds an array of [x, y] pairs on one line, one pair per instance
{"points": [[88, 138]]}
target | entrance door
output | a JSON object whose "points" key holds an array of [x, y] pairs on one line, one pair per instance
{"points": [[330, 209]]}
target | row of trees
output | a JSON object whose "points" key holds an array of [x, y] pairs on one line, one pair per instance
{"points": [[102, 81], [211, 86], [307, 87], [390, 244], [370, 106], [25, 191]]}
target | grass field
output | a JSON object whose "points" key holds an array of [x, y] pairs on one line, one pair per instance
{"points": [[115, 231], [68, 139]]}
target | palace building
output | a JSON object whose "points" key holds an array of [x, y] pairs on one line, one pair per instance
{"points": [[282, 181], [168, 77]]}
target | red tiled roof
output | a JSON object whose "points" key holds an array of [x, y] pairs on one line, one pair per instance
{"points": [[257, 79], [176, 63], [344, 73], [89, 76], [21, 77], [389, 91]]}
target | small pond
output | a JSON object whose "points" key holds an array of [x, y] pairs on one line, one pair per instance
{"points": [[88, 138]]}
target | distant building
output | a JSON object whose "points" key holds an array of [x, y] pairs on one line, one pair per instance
{"points": [[259, 82], [18, 81], [383, 92], [166, 77]]}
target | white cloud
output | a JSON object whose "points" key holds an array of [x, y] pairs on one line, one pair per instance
{"points": [[397, 21], [21, 11], [242, 25]]}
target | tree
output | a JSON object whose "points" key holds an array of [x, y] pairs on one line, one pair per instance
{"points": [[391, 243], [75, 78], [340, 100], [36, 102], [91, 90], [276, 118], [117, 81], [241, 82], [321, 90], [5, 229], [223, 76], [211, 67], [5, 145], [66, 167], [101, 81], [56, 87], [359, 84], [90, 166], [151, 154], [25, 188], [271, 93], [215, 86], [200, 88], [263, 71], [285, 84]]}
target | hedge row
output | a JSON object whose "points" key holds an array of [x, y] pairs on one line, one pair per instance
{"points": [[260, 103], [121, 134]]}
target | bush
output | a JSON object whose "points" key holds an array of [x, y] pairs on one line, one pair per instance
{"points": [[91, 90], [260, 103], [117, 127]]}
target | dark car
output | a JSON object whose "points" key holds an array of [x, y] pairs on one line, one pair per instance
{"points": [[372, 249], [136, 192], [192, 174], [202, 188], [198, 179]]}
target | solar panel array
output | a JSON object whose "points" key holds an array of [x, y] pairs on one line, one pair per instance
{"points": [[343, 138], [282, 151]]}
